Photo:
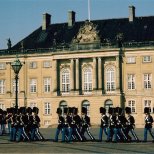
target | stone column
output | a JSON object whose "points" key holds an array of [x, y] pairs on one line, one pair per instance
{"points": [[99, 73], [117, 73], [72, 74], [54, 77], [77, 75], [94, 74]]}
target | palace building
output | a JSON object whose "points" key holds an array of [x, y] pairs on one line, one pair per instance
{"points": [[98, 63]]}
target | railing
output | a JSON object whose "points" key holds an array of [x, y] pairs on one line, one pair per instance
{"points": [[76, 47]]}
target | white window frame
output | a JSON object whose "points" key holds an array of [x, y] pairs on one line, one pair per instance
{"points": [[65, 81], [86, 104], [63, 105], [47, 64], [87, 80], [132, 105], [47, 108], [33, 85], [147, 59], [131, 81], [131, 60], [33, 65], [2, 106], [148, 103], [110, 79], [147, 77], [47, 84], [14, 86], [2, 86], [2, 66]]}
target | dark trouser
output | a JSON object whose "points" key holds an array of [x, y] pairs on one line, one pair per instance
{"points": [[86, 129], [146, 133], [104, 129]]}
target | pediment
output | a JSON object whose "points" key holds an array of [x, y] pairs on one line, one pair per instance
{"points": [[88, 33]]}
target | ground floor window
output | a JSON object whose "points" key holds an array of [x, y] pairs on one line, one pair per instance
{"points": [[63, 105], [86, 104], [132, 105], [108, 104]]}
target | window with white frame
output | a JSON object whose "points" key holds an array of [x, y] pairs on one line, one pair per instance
{"points": [[14, 86], [147, 81], [47, 85], [131, 60], [132, 105], [65, 80], [148, 103], [33, 83], [47, 108], [87, 79], [32, 104], [32, 65], [86, 104], [110, 79], [146, 59], [2, 106], [2, 66], [46, 64], [131, 81], [63, 105], [108, 104], [2, 86]]}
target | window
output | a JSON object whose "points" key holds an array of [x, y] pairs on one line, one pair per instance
{"points": [[131, 60], [86, 104], [132, 105], [47, 123], [147, 81], [2, 86], [131, 81], [65, 81], [63, 105], [2, 66], [47, 108], [32, 65], [47, 85], [108, 104], [32, 104], [46, 64], [148, 103], [87, 80], [33, 83], [146, 59], [110, 79], [2, 106], [14, 86]]}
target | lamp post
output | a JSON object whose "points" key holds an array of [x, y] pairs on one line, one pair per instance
{"points": [[16, 66]]}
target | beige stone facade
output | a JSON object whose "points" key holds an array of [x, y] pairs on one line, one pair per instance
{"points": [[37, 67]]}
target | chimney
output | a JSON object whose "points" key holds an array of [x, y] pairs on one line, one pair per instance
{"points": [[71, 18], [131, 13], [46, 21]]}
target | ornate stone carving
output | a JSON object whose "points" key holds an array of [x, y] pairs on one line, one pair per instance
{"points": [[87, 34]]}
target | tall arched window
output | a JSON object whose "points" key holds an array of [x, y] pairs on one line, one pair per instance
{"points": [[63, 105], [108, 103], [110, 79], [86, 104], [65, 80], [87, 79]]}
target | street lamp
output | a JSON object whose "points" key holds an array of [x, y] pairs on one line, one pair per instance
{"points": [[16, 66]]}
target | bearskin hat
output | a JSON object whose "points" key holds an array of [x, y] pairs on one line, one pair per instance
{"points": [[70, 110], [75, 110], [102, 110], [128, 110], [65, 110], [146, 110], [35, 110], [84, 110], [118, 110], [29, 110], [59, 110], [110, 111]]}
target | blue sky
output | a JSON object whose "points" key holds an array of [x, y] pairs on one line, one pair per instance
{"points": [[18, 18]]}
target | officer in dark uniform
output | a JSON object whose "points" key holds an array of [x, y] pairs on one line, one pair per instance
{"points": [[104, 123], [60, 124], [85, 124], [148, 123], [130, 125]]}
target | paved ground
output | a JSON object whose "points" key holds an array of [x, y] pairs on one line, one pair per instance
{"points": [[49, 146]]}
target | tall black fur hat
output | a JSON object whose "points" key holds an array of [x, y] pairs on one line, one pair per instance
{"points": [[66, 110], [70, 110], [1, 111], [102, 110], [29, 110], [75, 110], [128, 110], [84, 110], [110, 111], [146, 110], [35, 110], [59, 110], [118, 110]]}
